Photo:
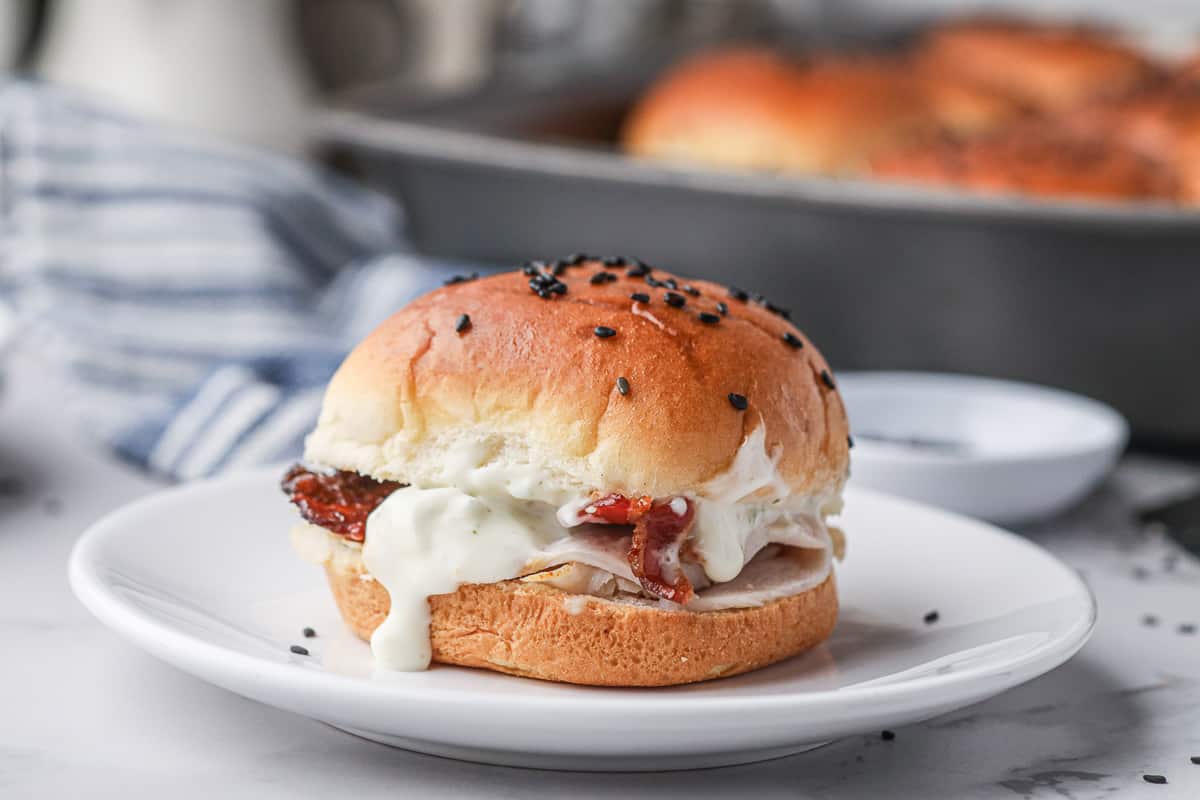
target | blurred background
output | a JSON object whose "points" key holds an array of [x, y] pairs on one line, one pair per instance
{"points": [[1040, 227]]}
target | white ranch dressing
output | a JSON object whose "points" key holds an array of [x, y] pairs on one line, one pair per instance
{"points": [[494, 519]]}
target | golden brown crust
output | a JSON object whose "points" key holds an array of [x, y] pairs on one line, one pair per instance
{"points": [[534, 368], [1163, 124], [1048, 67], [538, 631], [1035, 161], [755, 109]]}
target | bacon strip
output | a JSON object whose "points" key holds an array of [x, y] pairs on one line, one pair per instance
{"points": [[339, 502], [658, 535]]}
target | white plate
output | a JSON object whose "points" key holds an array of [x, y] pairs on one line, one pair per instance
{"points": [[203, 577], [999, 450]]}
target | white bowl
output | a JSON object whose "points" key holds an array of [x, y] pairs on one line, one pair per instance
{"points": [[998, 450]]}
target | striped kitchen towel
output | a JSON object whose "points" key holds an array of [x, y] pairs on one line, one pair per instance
{"points": [[195, 295]]}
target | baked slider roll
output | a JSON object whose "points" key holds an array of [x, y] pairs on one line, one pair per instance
{"points": [[1048, 67], [1034, 161], [586, 471], [756, 109]]}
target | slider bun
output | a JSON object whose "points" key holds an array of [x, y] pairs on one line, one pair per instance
{"points": [[1162, 124], [529, 383], [754, 109], [1035, 162], [1047, 67], [530, 630]]}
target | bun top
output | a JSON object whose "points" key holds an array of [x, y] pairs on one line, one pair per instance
{"points": [[1035, 161], [489, 371], [1049, 67], [754, 109]]}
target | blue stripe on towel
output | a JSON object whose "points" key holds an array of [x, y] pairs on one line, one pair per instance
{"points": [[197, 295]]}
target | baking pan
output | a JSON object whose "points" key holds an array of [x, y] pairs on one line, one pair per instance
{"points": [[1098, 299]]}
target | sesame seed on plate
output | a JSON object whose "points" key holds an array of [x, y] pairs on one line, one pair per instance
{"points": [[887, 736], [1158, 780], [308, 633], [298, 650], [932, 617]]}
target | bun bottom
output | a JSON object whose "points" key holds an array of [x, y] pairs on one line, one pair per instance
{"points": [[539, 631]]}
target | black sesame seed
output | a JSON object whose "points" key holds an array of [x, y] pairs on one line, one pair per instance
{"points": [[558, 288], [1150, 621], [602, 277], [670, 283], [604, 332], [1156, 779], [542, 293], [638, 270], [576, 258], [692, 290], [309, 633], [738, 401], [827, 379], [453, 279], [850, 442], [612, 261], [298, 650], [1187, 629], [774, 309], [640, 297], [738, 294], [793, 340], [558, 268], [675, 299], [722, 309], [932, 617], [655, 282], [887, 736], [1196, 759], [623, 385], [709, 319], [529, 269], [464, 322]]}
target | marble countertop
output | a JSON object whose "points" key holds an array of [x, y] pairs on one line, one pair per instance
{"points": [[82, 714]]}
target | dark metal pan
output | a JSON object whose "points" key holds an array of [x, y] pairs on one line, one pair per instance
{"points": [[1099, 299]]}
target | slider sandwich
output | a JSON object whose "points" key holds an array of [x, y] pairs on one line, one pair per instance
{"points": [[586, 471]]}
